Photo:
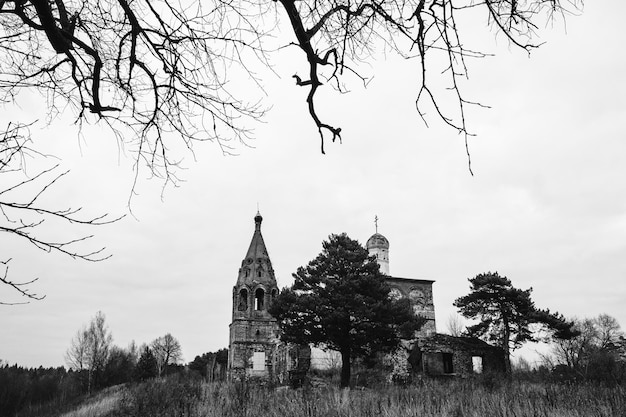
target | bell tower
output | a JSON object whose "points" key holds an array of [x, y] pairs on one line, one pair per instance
{"points": [[253, 331]]}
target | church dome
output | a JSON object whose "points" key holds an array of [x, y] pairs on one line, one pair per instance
{"points": [[377, 241]]}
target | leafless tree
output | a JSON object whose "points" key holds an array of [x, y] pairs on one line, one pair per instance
{"points": [[76, 354], [133, 351], [342, 34], [158, 66], [598, 334], [167, 351], [151, 67], [573, 352], [24, 216], [89, 349], [455, 325], [608, 330]]}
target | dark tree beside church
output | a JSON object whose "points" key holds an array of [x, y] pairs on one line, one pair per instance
{"points": [[506, 314], [211, 365], [341, 301]]}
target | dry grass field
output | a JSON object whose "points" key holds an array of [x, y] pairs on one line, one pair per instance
{"points": [[459, 398], [102, 404]]}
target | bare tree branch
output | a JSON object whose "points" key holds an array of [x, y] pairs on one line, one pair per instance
{"points": [[20, 287], [348, 31], [158, 67], [151, 67], [164, 75], [21, 213]]}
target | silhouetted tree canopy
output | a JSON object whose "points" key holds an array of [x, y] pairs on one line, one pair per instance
{"points": [[211, 365], [21, 388], [120, 366], [167, 351], [505, 314], [146, 366], [597, 352], [341, 301]]}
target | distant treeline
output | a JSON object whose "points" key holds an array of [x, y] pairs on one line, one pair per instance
{"points": [[21, 388], [24, 391], [95, 363]]}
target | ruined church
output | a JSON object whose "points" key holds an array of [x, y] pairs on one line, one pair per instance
{"points": [[256, 352]]}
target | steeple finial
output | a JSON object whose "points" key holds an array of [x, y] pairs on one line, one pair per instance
{"points": [[376, 222], [257, 220]]}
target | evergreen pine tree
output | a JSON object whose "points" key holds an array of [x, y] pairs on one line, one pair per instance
{"points": [[341, 301], [505, 314], [146, 366]]}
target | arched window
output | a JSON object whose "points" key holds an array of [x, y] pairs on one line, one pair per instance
{"points": [[395, 293], [417, 297], [259, 298], [243, 300], [258, 273]]}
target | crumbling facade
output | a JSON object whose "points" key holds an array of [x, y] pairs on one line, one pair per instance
{"points": [[418, 291], [255, 350], [429, 353], [420, 295], [445, 355]]}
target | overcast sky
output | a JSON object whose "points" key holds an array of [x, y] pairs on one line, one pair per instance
{"points": [[546, 205]]}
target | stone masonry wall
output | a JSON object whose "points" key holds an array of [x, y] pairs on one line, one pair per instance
{"points": [[438, 348], [420, 295]]}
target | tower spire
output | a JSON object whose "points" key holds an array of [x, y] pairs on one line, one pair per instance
{"points": [[253, 330], [256, 266], [257, 222]]}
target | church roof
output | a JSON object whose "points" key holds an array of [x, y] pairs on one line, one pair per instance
{"points": [[256, 267], [390, 279], [377, 241], [257, 247]]}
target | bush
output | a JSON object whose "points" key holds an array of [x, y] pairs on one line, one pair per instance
{"points": [[172, 396]]}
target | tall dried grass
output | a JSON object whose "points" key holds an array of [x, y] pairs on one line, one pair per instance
{"points": [[428, 399], [102, 404], [431, 398]]}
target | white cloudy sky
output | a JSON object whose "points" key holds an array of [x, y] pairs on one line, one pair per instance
{"points": [[546, 206]]}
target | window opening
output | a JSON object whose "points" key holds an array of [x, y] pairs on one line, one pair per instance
{"points": [[259, 297], [258, 361], [243, 300], [477, 364], [448, 368], [258, 273]]}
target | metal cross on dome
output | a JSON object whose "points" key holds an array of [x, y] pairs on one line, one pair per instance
{"points": [[376, 222]]}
